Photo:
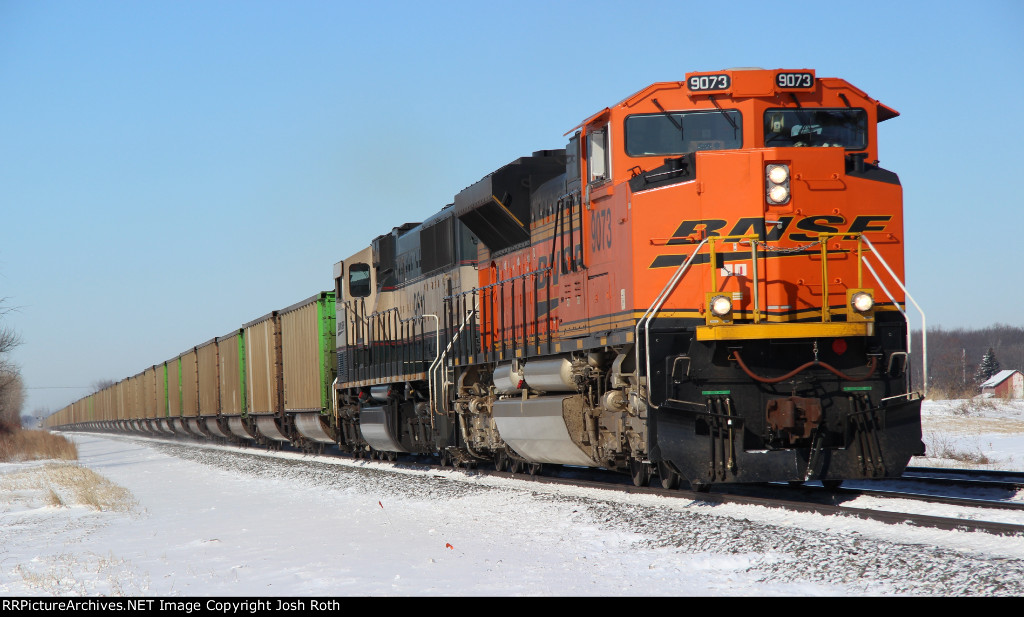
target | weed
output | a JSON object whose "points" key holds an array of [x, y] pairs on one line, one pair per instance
{"points": [[973, 406], [64, 484], [35, 445], [963, 409], [53, 499], [93, 490], [951, 393], [942, 447]]}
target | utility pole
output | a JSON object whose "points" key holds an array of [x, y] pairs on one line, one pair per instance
{"points": [[963, 366]]}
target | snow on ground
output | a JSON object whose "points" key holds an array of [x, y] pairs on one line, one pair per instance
{"points": [[978, 433], [216, 521]]}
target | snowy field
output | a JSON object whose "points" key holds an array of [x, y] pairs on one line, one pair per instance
{"points": [[214, 521]]}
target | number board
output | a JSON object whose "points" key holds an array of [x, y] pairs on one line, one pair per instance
{"points": [[704, 83], [795, 80]]}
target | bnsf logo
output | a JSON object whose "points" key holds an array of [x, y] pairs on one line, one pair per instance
{"points": [[805, 230]]}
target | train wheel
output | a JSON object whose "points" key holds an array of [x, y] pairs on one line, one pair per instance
{"points": [[442, 458], [641, 472], [669, 478], [391, 456], [515, 466], [534, 469], [500, 461]]}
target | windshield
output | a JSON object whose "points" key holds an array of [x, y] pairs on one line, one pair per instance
{"points": [[824, 128], [682, 132]]}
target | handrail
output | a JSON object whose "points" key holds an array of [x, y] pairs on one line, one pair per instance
{"points": [[362, 336], [752, 239], [905, 318], [437, 357], [649, 315], [334, 402], [537, 272], [438, 364], [478, 293], [659, 301], [924, 330]]}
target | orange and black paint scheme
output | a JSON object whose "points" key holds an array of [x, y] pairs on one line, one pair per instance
{"points": [[706, 285]]}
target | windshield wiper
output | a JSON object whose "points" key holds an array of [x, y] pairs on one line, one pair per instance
{"points": [[670, 117], [728, 119]]}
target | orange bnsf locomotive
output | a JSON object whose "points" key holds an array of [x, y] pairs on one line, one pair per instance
{"points": [[704, 285]]}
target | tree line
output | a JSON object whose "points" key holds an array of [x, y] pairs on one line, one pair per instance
{"points": [[12, 389], [959, 360]]}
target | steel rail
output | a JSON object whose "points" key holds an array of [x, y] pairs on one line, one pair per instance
{"points": [[966, 502]]}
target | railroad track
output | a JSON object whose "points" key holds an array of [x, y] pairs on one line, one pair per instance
{"points": [[985, 489], [820, 501], [969, 478], [805, 498]]}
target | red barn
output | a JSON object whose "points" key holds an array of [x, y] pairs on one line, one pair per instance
{"points": [[1005, 384]]}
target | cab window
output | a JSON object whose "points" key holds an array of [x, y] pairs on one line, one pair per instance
{"points": [[597, 155], [681, 132], [572, 158], [816, 127], [359, 280]]}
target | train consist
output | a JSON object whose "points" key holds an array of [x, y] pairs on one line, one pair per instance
{"points": [[704, 285]]}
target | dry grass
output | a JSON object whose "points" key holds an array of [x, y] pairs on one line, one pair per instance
{"points": [[951, 393], [972, 425], [53, 499], [942, 447], [65, 484], [973, 406], [62, 575], [24, 445], [28, 487]]}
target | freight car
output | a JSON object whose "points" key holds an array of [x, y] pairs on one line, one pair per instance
{"points": [[705, 284], [267, 382]]}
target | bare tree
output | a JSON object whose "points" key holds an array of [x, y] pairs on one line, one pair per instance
{"points": [[12, 399], [953, 356], [9, 339], [12, 390], [102, 384]]}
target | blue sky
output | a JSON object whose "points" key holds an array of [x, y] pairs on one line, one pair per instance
{"points": [[172, 169]]}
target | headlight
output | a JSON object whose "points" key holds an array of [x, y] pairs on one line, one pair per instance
{"points": [[862, 302], [778, 174], [720, 306], [776, 183], [778, 194]]}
